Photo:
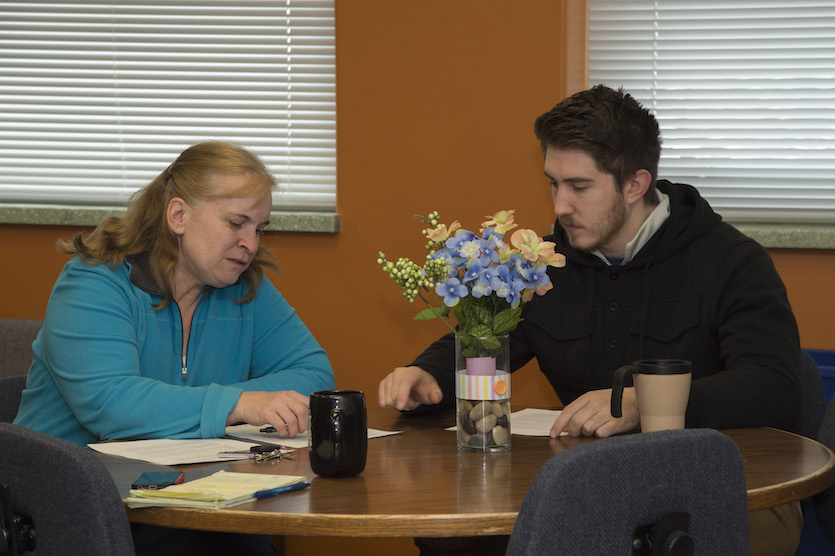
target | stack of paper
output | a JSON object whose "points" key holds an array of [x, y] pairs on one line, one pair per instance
{"points": [[219, 490]]}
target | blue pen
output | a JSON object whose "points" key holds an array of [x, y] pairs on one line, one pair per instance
{"points": [[269, 493]]}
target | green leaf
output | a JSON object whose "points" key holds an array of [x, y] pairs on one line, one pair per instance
{"points": [[507, 320], [458, 313], [480, 331], [484, 344], [482, 315], [432, 313]]}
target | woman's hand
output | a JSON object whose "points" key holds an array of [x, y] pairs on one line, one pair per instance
{"points": [[285, 410]]}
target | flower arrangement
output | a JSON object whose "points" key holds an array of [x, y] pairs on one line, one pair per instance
{"points": [[480, 280]]}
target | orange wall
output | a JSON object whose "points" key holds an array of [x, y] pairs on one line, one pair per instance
{"points": [[436, 102]]}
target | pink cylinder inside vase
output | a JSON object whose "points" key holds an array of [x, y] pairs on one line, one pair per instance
{"points": [[481, 366]]}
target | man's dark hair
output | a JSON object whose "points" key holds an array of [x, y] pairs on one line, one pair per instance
{"points": [[610, 126]]}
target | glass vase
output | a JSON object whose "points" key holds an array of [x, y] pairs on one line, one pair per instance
{"points": [[482, 393]]}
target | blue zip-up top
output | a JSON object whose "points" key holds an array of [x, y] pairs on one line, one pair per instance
{"points": [[107, 365]]}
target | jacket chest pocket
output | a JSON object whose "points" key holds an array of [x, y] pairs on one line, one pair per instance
{"points": [[670, 326], [558, 333], [563, 320]]}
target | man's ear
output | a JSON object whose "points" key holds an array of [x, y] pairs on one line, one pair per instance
{"points": [[637, 186], [175, 214]]}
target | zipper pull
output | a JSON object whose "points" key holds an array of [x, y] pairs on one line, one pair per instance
{"points": [[185, 369]]}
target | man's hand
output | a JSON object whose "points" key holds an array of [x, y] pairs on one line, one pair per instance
{"points": [[408, 387], [285, 410], [591, 415]]}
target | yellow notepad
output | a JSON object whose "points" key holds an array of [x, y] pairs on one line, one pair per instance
{"points": [[219, 490]]}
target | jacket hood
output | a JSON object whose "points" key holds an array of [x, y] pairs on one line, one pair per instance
{"points": [[690, 217]]}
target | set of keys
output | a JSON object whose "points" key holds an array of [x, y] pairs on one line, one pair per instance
{"points": [[267, 453]]}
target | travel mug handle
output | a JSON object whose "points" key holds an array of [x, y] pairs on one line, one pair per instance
{"points": [[623, 377]]}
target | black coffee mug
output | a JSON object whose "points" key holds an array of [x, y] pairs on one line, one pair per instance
{"points": [[338, 433]]}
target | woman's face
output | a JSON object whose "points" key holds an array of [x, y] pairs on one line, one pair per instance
{"points": [[217, 239]]}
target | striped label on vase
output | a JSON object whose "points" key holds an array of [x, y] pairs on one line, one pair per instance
{"points": [[494, 386]]}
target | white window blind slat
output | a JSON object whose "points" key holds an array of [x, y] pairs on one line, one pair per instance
{"points": [[100, 96], [744, 92]]}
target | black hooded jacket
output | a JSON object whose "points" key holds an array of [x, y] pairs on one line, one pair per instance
{"points": [[698, 290]]}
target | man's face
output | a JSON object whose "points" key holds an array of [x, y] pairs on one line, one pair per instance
{"points": [[589, 206]]}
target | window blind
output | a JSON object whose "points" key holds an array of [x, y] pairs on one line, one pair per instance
{"points": [[744, 92], [98, 97]]}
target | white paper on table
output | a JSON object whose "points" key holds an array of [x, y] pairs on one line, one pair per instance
{"points": [[532, 422], [168, 451], [253, 433]]}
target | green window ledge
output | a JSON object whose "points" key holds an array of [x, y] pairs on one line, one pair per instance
{"points": [[776, 236], [790, 236], [316, 222]]}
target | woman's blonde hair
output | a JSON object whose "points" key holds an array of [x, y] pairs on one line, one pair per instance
{"points": [[144, 226]]}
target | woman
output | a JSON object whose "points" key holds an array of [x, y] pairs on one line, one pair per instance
{"points": [[163, 325]]}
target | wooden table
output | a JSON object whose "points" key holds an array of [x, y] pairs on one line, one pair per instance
{"points": [[417, 484]]}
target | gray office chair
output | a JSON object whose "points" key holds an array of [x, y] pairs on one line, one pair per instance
{"points": [[824, 503], [680, 489], [16, 337], [813, 397], [11, 391], [63, 493], [812, 405]]}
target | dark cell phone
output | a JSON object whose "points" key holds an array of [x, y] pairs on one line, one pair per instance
{"points": [[158, 479]]}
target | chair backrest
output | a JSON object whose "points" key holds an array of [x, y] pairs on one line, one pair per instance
{"points": [[16, 337], [66, 490], [813, 394], [11, 391], [591, 498], [824, 502]]}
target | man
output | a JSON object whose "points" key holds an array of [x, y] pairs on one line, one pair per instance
{"points": [[651, 272]]}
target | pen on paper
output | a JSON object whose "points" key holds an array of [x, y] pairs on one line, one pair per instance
{"points": [[247, 454], [252, 452], [269, 493]]}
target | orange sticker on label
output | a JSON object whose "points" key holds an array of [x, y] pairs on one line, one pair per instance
{"points": [[500, 387]]}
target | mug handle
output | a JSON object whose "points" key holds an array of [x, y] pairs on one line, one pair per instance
{"points": [[623, 376]]}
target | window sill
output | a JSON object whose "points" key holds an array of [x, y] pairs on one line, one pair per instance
{"points": [[313, 222], [790, 236]]}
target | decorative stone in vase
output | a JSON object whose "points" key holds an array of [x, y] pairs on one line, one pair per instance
{"points": [[482, 392]]}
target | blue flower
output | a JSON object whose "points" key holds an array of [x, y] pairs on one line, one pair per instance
{"points": [[535, 274], [474, 269], [490, 277], [452, 291], [491, 232], [511, 288], [480, 290], [517, 286], [470, 249], [454, 243]]}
